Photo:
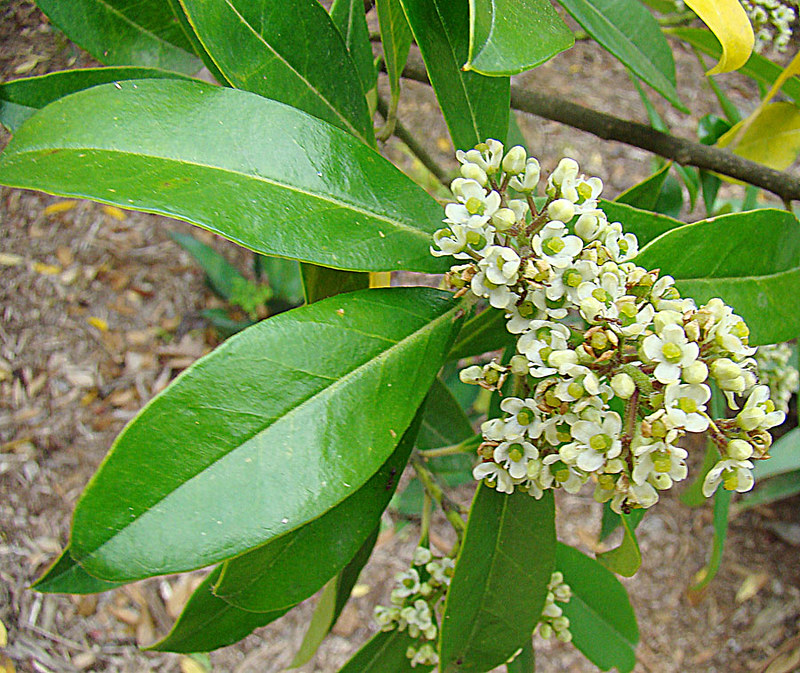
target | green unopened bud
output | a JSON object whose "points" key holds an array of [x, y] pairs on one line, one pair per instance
{"points": [[514, 160], [519, 365], [623, 386], [725, 369], [697, 372], [504, 219], [738, 449], [474, 172]]}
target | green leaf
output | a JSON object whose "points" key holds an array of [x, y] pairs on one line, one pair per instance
{"points": [[785, 457], [481, 333], [773, 489], [645, 194], [283, 276], [500, 35], [219, 271], [602, 621], [692, 495], [320, 282], [65, 576], [191, 36], [489, 615], [757, 67], [289, 568], [444, 422], [260, 173], [721, 257], [722, 503], [515, 135], [645, 224], [125, 32], [296, 57], [254, 418], [385, 652], [670, 198], [626, 559], [396, 40], [474, 106], [524, 662], [631, 34], [332, 601], [21, 98], [350, 19], [208, 623]]}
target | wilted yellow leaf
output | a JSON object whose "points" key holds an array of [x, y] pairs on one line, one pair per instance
{"points": [[7, 259], [3, 635], [46, 269], [99, 323], [772, 138], [113, 211], [60, 206], [728, 21], [360, 590], [380, 278], [6, 665], [190, 665]]}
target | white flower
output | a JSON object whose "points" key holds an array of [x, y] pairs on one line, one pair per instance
{"points": [[494, 429], [554, 244], [514, 456], [543, 338], [685, 404], [495, 475], [441, 570], [451, 241], [736, 475], [499, 296], [422, 555], [524, 416], [407, 585], [501, 265], [672, 351], [759, 412], [621, 246], [566, 476], [654, 457], [527, 183], [475, 206], [487, 155], [595, 442]]}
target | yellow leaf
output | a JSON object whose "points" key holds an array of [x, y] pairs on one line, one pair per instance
{"points": [[6, 665], [46, 269], [7, 259], [190, 665], [60, 206], [99, 323], [771, 139], [113, 211], [380, 278], [3, 635], [728, 21]]}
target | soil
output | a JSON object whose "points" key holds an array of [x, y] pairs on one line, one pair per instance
{"points": [[100, 311]]}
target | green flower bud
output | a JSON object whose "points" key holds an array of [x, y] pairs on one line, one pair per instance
{"points": [[504, 219], [474, 172], [514, 160]]}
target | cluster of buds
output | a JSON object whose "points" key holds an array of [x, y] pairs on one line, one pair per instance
{"points": [[772, 23], [612, 366], [777, 368], [553, 622], [413, 602]]}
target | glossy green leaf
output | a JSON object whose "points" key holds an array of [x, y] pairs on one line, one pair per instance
{"points": [[751, 260], [255, 417], [288, 569], [332, 601], [602, 621], [784, 456], [670, 198], [320, 282], [125, 32], [220, 273], [627, 30], [644, 195], [385, 652], [776, 488], [524, 662], [208, 623], [444, 422], [296, 57], [692, 495], [65, 576], [759, 68], [626, 559], [191, 36], [487, 617], [350, 19], [474, 106], [515, 135], [611, 520], [481, 333], [260, 173], [722, 504], [645, 224], [500, 35], [395, 38], [283, 276], [21, 98]]}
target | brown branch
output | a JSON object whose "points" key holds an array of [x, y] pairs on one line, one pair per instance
{"points": [[608, 127]]}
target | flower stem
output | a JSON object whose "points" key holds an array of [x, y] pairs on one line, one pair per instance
{"points": [[432, 487]]}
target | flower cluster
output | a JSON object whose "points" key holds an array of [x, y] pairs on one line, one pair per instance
{"points": [[553, 622], [413, 599], [777, 368], [772, 23], [613, 366]]}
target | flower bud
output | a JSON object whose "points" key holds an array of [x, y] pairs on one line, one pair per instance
{"points": [[562, 210], [504, 219], [696, 372], [474, 172], [738, 449], [514, 161], [563, 357], [664, 318], [588, 226], [725, 369], [519, 365], [623, 386]]}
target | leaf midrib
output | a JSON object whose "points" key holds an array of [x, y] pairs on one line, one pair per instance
{"points": [[427, 328], [139, 27]]}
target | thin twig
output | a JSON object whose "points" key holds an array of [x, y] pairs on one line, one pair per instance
{"points": [[450, 509], [608, 127]]}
